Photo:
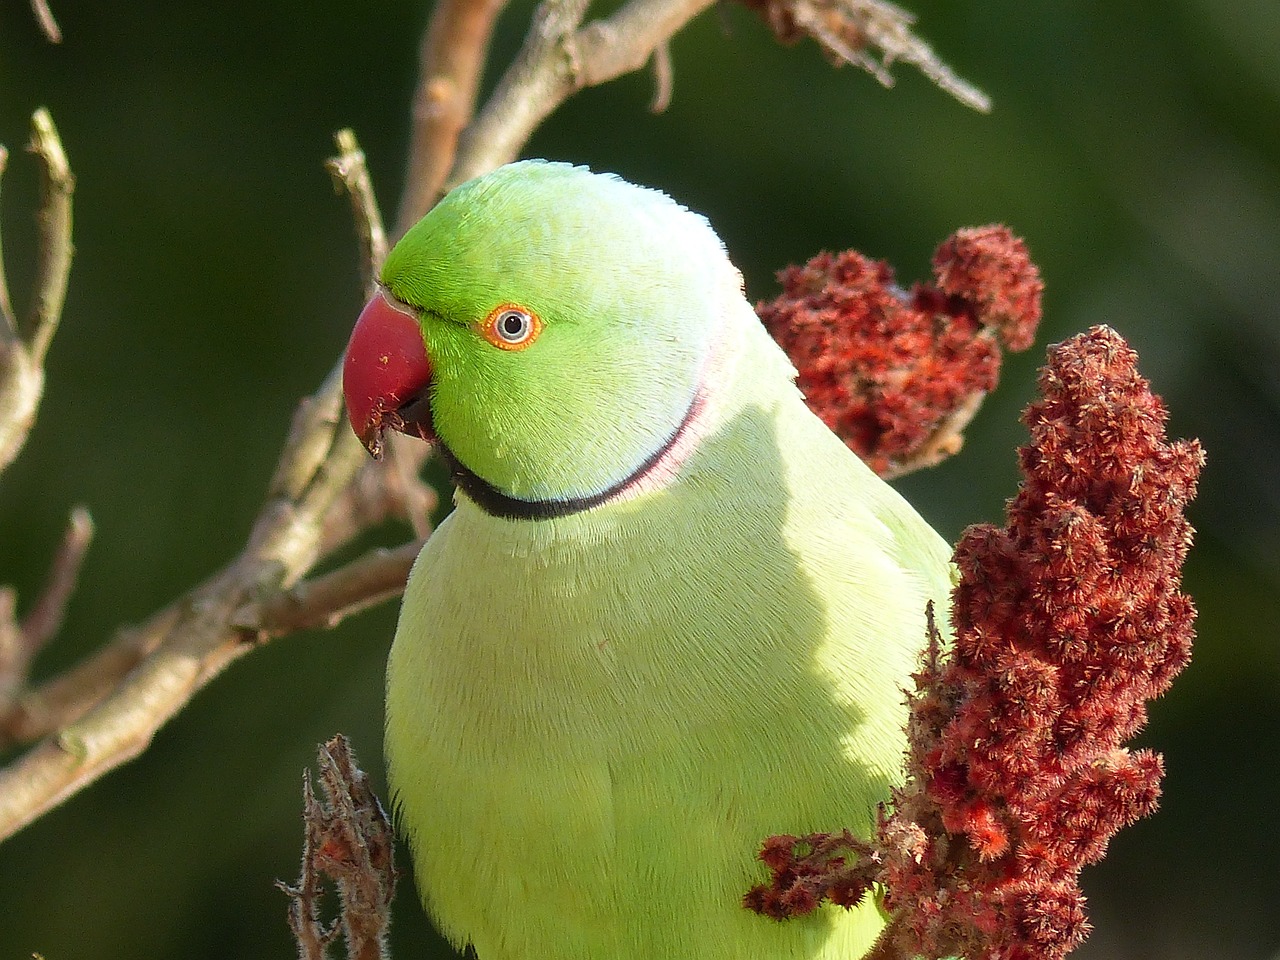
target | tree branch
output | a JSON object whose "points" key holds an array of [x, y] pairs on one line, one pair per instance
{"points": [[8, 320], [350, 173], [53, 265], [196, 637], [451, 59], [200, 642], [44, 17], [22, 350], [44, 619], [559, 58], [323, 491], [325, 601], [20, 642]]}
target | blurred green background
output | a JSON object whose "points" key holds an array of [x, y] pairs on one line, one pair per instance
{"points": [[1134, 144]]}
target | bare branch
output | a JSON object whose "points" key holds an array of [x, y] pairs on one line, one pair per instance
{"points": [[53, 265], [22, 351], [8, 321], [558, 59], [384, 489], [66, 698], [663, 78], [44, 17], [350, 173], [327, 600], [309, 931], [451, 60], [20, 642], [44, 619]]}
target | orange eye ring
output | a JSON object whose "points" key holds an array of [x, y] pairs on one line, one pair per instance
{"points": [[510, 326]]}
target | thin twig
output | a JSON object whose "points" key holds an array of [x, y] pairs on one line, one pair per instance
{"points": [[9, 326], [22, 351], [44, 17], [196, 637], [559, 58], [327, 600], [20, 642], [53, 263], [663, 78], [44, 619], [350, 173], [451, 60]]}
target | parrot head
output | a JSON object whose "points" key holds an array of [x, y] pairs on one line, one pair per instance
{"points": [[548, 327]]}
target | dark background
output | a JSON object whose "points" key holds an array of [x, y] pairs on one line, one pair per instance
{"points": [[1135, 144]]}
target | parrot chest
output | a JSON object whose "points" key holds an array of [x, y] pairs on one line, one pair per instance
{"points": [[593, 722]]}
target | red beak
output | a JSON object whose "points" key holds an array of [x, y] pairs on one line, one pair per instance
{"points": [[386, 374]]}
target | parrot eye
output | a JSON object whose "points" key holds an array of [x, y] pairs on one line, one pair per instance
{"points": [[511, 327]]}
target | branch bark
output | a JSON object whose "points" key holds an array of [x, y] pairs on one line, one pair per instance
{"points": [[44, 17], [323, 491], [23, 346], [451, 59], [21, 641], [195, 638], [559, 58], [351, 175]]}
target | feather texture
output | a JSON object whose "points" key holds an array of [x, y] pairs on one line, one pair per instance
{"points": [[594, 720]]}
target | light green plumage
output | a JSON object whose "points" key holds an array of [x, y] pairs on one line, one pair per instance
{"points": [[594, 720]]}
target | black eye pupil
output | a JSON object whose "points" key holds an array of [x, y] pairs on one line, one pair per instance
{"points": [[513, 324]]}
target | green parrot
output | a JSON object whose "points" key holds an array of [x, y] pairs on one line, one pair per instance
{"points": [[670, 614]]}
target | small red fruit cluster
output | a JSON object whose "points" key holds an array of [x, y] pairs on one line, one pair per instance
{"points": [[1066, 620], [898, 375]]}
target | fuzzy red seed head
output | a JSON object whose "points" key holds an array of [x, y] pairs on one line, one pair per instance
{"points": [[897, 376]]}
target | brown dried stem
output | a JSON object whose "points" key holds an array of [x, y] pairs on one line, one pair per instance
{"points": [[351, 175], [8, 321], [53, 219], [451, 60], [846, 30], [349, 839], [44, 619]]}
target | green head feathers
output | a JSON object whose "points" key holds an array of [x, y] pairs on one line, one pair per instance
{"points": [[616, 291]]}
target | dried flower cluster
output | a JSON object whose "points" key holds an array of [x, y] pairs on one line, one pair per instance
{"points": [[870, 34], [1067, 620], [838, 867], [898, 376], [349, 840]]}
